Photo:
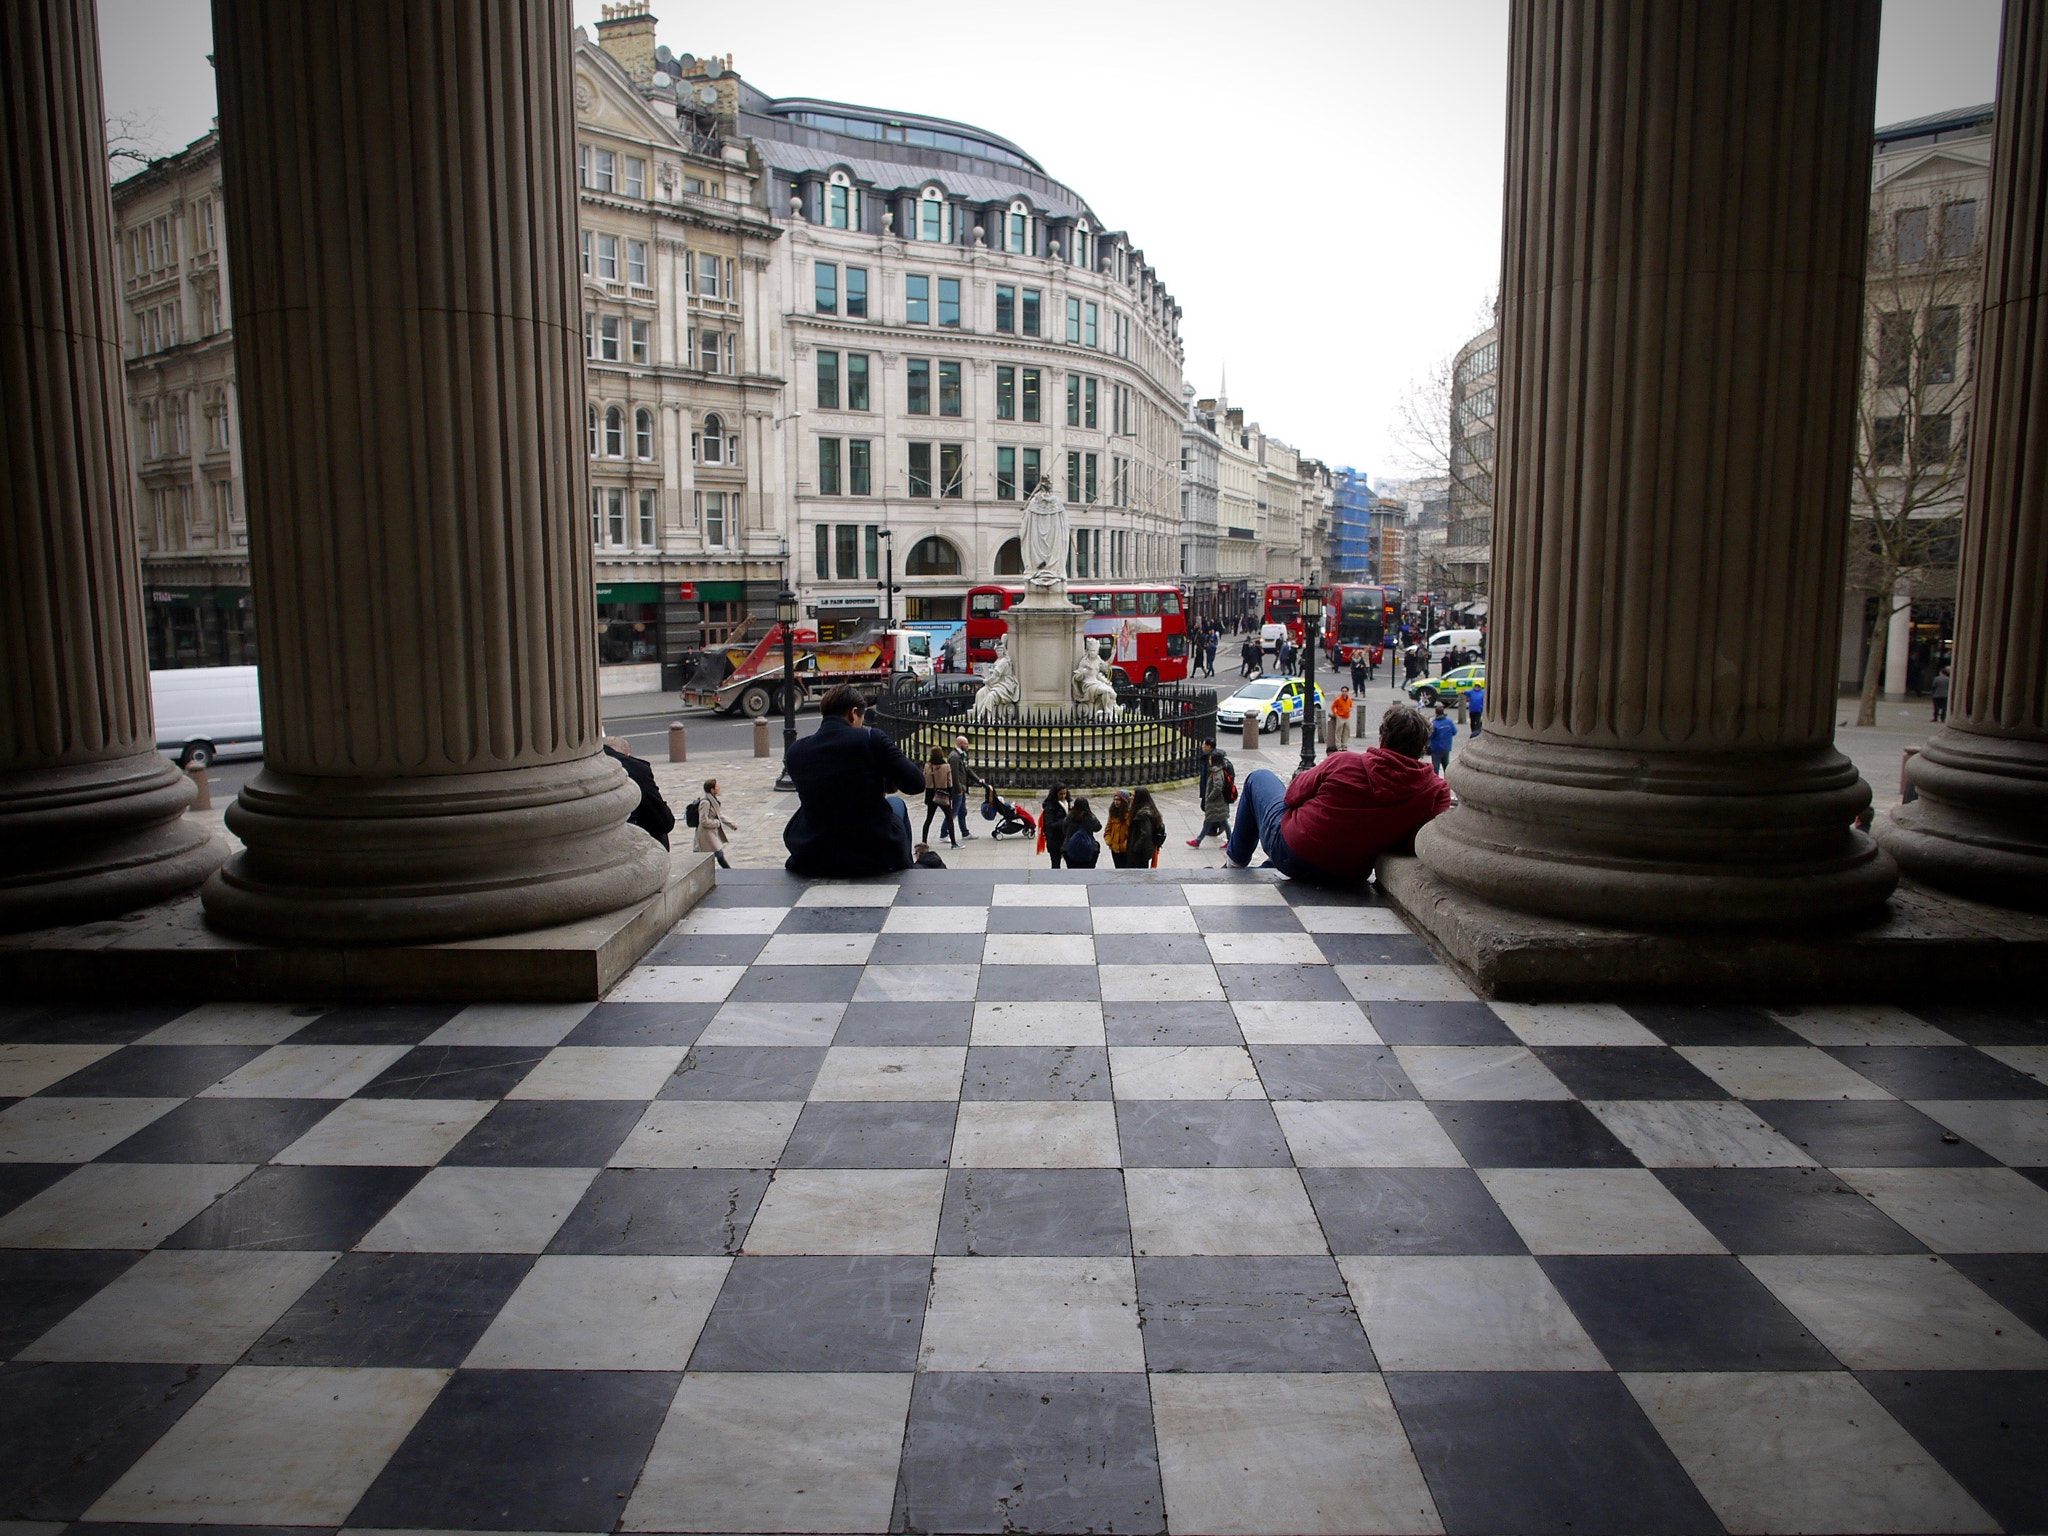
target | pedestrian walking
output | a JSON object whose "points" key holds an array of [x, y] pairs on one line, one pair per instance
{"points": [[1052, 823], [1253, 658], [1443, 731], [963, 776], [1148, 831], [1083, 847], [1939, 688], [938, 797], [1340, 720], [1373, 658], [713, 826], [1219, 788], [1361, 671]]}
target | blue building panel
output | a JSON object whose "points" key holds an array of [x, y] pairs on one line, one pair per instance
{"points": [[1351, 538]]}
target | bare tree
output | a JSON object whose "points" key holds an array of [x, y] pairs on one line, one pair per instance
{"points": [[1910, 459], [131, 139], [1427, 433]]}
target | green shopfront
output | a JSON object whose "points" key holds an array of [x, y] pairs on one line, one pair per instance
{"points": [[647, 630], [197, 626]]}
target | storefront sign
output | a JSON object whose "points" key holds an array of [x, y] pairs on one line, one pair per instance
{"points": [[686, 591], [629, 592]]}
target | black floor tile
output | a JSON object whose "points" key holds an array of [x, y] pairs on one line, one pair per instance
{"points": [[1439, 1024], [1867, 1133], [522, 1450], [1727, 1025], [1051, 1452], [1247, 919], [71, 1430], [1987, 1428], [547, 1133], [1249, 1314], [1406, 1211], [1037, 984], [312, 1209], [377, 1024], [221, 1131], [24, 1181], [1531, 1133], [1557, 1452], [1375, 949], [1785, 1210], [833, 920], [1200, 1133], [41, 1286], [1628, 1072], [1061, 1072], [423, 1310], [1171, 1024], [909, 1134], [2038, 1175], [1152, 949], [642, 1024], [707, 949], [1938, 1072], [90, 1025], [1281, 984], [1683, 1312], [1989, 1023], [907, 1023], [1035, 1213], [1332, 1072], [926, 949], [759, 1072], [154, 1072], [796, 984], [455, 1072], [2016, 1281], [1040, 920], [816, 1314], [663, 1210], [751, 893]]}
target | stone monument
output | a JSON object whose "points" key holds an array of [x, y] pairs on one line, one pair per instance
{"points": [[1047, 663]]}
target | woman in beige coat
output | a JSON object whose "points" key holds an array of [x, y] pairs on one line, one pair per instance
{"points": [[713, 825]]}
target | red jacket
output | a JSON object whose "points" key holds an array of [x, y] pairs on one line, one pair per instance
{"points": [[1353, 806]]}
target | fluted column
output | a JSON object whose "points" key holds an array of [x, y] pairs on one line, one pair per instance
{"points": [[1980, 826], [91, 815], [1681, 297], [402, 217]]}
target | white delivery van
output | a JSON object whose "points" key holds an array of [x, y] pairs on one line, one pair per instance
{"points": [[204, 713], [1444, 639]]}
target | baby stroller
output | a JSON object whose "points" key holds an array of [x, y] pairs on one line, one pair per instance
{"points": [[1010, 820]]}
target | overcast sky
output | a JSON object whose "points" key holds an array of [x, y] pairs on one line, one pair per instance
{"points": [[1320, 190]]}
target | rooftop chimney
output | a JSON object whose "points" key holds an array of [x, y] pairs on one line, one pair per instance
{"points": [[627, 34]]}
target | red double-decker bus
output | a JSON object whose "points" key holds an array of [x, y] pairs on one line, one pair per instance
{"points": [[1145, 625], [1283, 607], [1357, 618]]}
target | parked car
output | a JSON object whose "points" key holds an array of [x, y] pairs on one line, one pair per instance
{"points": [[204, 713], [1268, 698], [1449, 688]]}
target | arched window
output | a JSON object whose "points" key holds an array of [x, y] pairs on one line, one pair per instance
{"points": [[842, 203], [932, 557], [934, 216], [1010, 559], [643, 433], [615, 433], [1017, 229], [1083, 244], [714, 439], [593, 430]]}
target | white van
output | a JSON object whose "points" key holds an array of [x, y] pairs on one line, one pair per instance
{"points": [[204, 713], [1444, 639]]}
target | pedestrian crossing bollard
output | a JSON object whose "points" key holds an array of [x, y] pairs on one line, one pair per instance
{"points": [[678, 749], [1251, 732], [1285, 727], [203, 800], [760, 735]]}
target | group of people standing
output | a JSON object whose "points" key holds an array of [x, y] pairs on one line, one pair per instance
{"points": [[1070, 834]]}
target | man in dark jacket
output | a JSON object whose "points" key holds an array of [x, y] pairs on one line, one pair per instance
{"points": [[652, 814], [847, 825], [1334, 819]]}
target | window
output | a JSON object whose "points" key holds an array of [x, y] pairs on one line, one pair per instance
{"points": [[1073, 399], [846, 551], [707, 275], [1894, 348], [934, 216], [920, 469], [857, 292], [1017, 230], [711, 506], [1006, 393], [614, 433], [636, 263], [828, 381], [1934, 439], [1030, 470], [1958, 230], [589, 334], [917, 378], [1090, 313], [1888, 439], [599, 167], [949, 389], [1006, 307], [643, 342], [825, 280], [1031, 306], [608, 338], [1911, 227], [714, 440], [171, 324], [1084, 245], [154, 444], [1944, 333], [1073, 476], [952, 470], [932, 557], [643, 433], [1081, 471], [220, 419], [828, 466], [594, 443], [1074, 320], [615, 514], [1031, 394], [636, 177], [647, 503], [949, 301], [857, 381], [871, 547], [823, 565], [917, 299], [597, 514], [859, 476], [207, 237], [1088, 477], [1006, 474], [608, 258], [842, 204]]}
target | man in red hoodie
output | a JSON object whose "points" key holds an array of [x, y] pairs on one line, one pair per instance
{"points": [[1331, 822]]}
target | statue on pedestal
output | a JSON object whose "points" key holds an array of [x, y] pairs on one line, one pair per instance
{"points": [[1094, 693], [999, 689], [1043, 538]]}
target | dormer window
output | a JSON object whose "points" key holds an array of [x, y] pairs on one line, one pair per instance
{"points": [[842, 203], [1084, 245], [934, 216], [1017, 230]]}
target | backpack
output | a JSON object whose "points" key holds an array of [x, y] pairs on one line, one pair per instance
{"points": [[1230, 784], [690, 813], [1082, 848]]}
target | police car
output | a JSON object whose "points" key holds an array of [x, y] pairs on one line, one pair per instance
{"points": [[1268, 698]]}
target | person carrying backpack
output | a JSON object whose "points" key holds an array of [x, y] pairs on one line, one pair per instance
{"points": [[1219, 789], [1083, 849], [712, 825]]}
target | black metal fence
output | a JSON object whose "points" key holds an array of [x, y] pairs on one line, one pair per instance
{"points": [[1155, 740]]}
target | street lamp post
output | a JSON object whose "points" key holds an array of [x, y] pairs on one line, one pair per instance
{"points": [[785, 615], [1311, 637], [888, 538]]}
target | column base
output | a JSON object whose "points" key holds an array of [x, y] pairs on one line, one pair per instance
{"points": [[1980, 826], [1652, 840], [94, 840], [454, 856]]}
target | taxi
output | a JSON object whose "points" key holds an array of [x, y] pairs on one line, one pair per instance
{"points": [[1454, 685], [1268, 698]]}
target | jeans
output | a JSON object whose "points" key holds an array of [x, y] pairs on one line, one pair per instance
{"points": [[960, 812], [1442, 761], [1476, 720], [1261, 802], [941, 808]]}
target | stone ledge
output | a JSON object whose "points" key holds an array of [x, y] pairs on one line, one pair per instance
{"points": [[168, 952], [1927, 945]]}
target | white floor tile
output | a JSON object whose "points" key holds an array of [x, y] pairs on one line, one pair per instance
{"points": [[905, 1072], [2030, 1059], [306, 1072], [1037, 948], [118, 1205], [60, 1130], [849, 1210], [611, 1312], [1697, 1133], [1249, 892], [918, 984], [1037, 1023], [1351, 919], [1184, 1072], [677, 984], [1221, 1211], [1365, 1133], [481, 1210], [1404, 984], [27, 1069], [816, 949], [1032, 1315], [1596, 1210], [1573, 1024], [1458, 1313], [1035, 1134], [1159, 983], [1304, 1024], [234, 1024], [1959, 1210], [1263, 949], [828, 893], [1861, 1024], [388, 1132], [186, 1307], [1041, 895], [1900, 1312], [511, 1024], [1478, 1072], [2015, 1131], [600, 1072], [730, 920], [708, 1133], [1780, 1072], [773, 1024], [1173, 919]]}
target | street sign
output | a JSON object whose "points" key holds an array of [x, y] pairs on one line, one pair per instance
{"points": [[686, 591]]}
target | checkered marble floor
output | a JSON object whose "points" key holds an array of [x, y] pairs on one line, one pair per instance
{"points": [[1012, 1201]]}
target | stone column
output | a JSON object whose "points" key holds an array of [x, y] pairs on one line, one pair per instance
{"points": [[1980, 826], [91, 815], [403, 221], [1681, 298]]}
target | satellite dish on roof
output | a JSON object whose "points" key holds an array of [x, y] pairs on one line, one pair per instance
{"points": [[708, 94], [661, 78]]}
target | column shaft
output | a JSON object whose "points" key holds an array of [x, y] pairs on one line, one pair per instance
{"points": [[1980, 825], [400, 204], [91, 815], [1682, 279]]}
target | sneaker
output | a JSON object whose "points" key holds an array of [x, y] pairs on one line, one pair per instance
{"points": [[1194, 842]]}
